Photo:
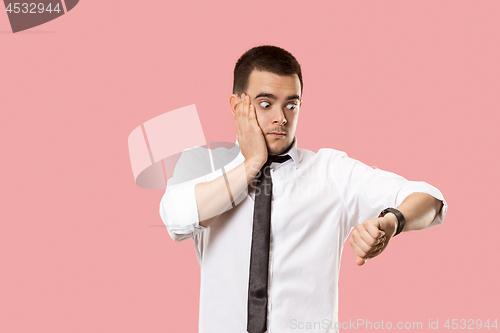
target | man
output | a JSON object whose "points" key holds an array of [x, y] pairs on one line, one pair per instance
{"points": [[269, 230]]}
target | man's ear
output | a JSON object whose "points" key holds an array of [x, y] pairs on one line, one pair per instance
{"points": [[233, 102], [300, 104]]}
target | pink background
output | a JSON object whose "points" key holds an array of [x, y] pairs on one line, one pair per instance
{"points": [[412, 87]]}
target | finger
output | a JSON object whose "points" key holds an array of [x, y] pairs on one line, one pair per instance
{"points": [[357, 249], [366, 236], [378, 241], [246, 102], [237, 109], [359, 241], [251, 112], [371, 256], [364, 240], [244, 110], [243, 99], [376, 250]]}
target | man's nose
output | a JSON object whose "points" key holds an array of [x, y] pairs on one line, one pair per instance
{"points": [[279, 117]]}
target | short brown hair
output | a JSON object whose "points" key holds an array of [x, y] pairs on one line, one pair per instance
{"points": [[266, 58]]}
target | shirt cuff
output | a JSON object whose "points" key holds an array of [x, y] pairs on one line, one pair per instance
{"points": [[423, 187], [179, 211]]}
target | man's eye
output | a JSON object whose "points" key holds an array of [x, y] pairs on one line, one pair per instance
{"points": [[264, 104], [291, 106]]}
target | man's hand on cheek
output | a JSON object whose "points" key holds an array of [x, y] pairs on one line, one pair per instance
{"points": [[250, 136], [371, 237]]}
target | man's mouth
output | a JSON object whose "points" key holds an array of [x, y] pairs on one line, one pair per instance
{"points": [[277, 134]]}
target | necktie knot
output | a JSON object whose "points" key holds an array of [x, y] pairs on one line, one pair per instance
{"points": [[277, 159]]}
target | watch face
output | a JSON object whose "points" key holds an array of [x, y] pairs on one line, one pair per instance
{"points": [[385, 211]]}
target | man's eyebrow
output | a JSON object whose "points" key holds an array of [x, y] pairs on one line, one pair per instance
{"points": [[271, 96]]}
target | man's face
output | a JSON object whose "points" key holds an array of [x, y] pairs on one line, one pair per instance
{"points": [[277, 101]]}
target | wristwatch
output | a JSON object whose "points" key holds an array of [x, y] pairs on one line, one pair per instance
{"points": [[399, 215]]}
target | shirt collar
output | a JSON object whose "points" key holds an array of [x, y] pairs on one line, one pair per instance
{"points": [[292, 152]]}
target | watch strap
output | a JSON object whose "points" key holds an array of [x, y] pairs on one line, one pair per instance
{"points": [[399, 215]]}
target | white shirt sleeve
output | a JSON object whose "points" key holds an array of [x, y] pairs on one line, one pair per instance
{"points": [[178, 208], [179, 211], [367, 191]]}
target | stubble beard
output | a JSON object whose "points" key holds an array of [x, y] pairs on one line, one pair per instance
{"points": [[281, 150]]}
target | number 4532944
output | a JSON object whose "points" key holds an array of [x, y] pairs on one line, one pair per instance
{"points": [[470, 324], [31, 8]]}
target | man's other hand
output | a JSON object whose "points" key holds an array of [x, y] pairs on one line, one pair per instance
{"points": [[371, 237]]}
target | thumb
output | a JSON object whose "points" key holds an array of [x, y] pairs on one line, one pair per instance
{"points": [[381, 232], [360, 261]]}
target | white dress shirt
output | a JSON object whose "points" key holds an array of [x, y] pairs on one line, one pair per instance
{"points": [[317, 200]]}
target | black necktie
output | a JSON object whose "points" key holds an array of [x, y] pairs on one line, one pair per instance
{"points": [[259, 257]]}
